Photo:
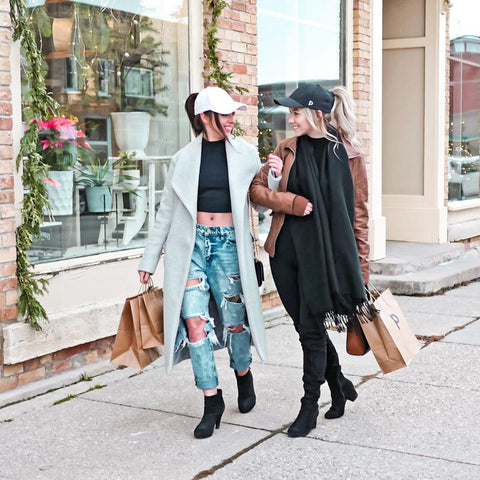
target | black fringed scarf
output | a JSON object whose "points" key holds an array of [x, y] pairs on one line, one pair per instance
{"points": [[329, 266]]}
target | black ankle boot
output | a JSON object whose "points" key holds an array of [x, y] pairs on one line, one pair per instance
{"points": [[246, 392], [306, 420], [212, 414], [341, 389]]}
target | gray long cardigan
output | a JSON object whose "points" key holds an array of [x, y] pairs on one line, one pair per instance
{"points": [[174, 232]]}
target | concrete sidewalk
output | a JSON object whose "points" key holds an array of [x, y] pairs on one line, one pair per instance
{"points": [[421, 422]]}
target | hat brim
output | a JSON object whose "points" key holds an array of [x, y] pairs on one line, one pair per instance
{"points": [[288, 102], [233, 107]]}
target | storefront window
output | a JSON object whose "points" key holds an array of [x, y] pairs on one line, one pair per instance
{"points": [[463, 159], [299, 41], [119, 70]]}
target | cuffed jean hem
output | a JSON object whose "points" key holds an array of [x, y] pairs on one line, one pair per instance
{"points": [[203, 363]]}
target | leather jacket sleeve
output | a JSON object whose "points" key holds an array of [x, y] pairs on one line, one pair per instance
{"points": [[277, 201], [360, 183]]}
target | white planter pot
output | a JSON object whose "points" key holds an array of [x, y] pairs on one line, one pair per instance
{"points": [[130, 178], [132, 130], [60, 192]]}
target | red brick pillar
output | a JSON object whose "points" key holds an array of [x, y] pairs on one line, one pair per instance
{"points": [[237, 50], [8, 280], [362, 56]]}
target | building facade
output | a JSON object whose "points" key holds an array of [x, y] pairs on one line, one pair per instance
{"points": [[146, 56]]}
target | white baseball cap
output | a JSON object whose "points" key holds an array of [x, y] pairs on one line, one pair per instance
{"points": [[217, 100]]}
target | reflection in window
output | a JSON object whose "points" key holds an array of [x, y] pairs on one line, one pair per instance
{"points": [[299, 41], [104, 57], [463, 159]]}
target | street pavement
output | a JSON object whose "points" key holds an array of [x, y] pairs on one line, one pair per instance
{"points": [[420, 422]]}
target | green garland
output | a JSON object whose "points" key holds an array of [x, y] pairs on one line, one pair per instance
{"points": [[38, 103], [215, 74]]}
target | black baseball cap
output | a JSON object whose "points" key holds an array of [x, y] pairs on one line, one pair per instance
{"points": [[311, 96]]}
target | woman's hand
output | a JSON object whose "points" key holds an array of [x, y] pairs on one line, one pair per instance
{"points": [[275, 163], [308, 209], [144, 276]]}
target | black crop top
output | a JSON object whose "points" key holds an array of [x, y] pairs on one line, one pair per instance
{"points": [[213, 187]]}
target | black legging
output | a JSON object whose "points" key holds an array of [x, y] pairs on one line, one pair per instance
{"points": [[318, 350]]}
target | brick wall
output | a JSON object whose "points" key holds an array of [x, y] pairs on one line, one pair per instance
{"points": [[237, 50], [362, 55], [8, 280]]}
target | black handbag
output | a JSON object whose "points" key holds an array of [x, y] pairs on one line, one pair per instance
{"points": [[259, 271]]}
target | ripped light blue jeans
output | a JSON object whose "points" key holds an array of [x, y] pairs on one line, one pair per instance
{"points": [[215, 264]]}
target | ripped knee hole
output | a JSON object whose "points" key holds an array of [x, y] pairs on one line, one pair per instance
{"points": [[191, 282]]}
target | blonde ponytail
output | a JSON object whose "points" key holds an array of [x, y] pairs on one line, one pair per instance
{"points": [[343, 116]]}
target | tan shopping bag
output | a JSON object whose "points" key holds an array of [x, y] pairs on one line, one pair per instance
{"points": [[390, 338], [128, 349], [150, 309]]}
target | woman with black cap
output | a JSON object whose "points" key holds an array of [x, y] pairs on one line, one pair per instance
{"points": [[318, 222]]}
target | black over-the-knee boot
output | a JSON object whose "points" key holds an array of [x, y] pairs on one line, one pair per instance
{"points": [[314, 360], [212, 414], [341, 389]]}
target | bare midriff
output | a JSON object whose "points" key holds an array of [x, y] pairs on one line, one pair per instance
{"points": [[211, 219]]}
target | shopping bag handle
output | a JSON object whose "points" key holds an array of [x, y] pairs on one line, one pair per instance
{"points": [[145, 287], [372, 292]]}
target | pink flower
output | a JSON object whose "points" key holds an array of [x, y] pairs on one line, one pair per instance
{"points": [[46, 144], [53, 183], [67, 132], [58, 122], [43, 125]]}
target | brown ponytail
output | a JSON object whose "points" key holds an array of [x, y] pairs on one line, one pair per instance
{"points": [[195, 120]]}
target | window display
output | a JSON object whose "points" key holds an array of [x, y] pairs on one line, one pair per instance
{"points": [[119, 70], [464, 131]]}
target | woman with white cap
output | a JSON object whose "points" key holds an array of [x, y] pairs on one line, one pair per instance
{"points": [[318, 240], [202, 226]]}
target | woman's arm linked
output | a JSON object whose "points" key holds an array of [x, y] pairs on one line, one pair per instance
{"points": [[276, 200]]}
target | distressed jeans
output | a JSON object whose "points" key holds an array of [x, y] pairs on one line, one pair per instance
{"points": [[215, 264]]}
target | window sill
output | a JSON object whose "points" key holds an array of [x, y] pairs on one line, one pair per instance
{"points": [[82, 262], [455, 206]]}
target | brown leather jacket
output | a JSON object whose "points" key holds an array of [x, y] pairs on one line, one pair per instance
{"points": [[282, 202]]}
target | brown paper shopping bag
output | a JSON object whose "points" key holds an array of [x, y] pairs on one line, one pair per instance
{"points": [[150, 309], [390, 338], [128, 349]]}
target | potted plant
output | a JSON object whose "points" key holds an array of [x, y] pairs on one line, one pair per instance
{"points": [[97, 180], [139, 56], [60, 144], [128, 171]]}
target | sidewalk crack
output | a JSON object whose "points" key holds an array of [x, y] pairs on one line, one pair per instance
{"points": [[212, 470]]}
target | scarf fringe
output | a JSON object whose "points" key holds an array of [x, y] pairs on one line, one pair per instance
{"points": [[365, 312]]}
